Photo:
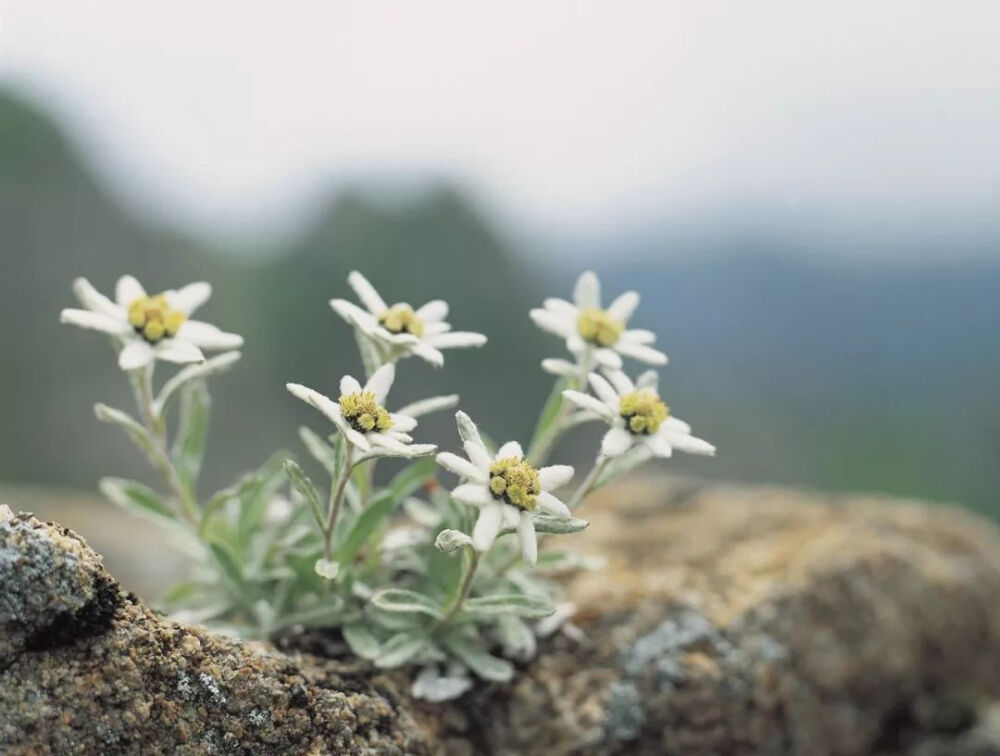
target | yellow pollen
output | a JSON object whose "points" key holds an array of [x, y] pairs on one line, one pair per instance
{"points": [[154, 319], [516, 482], [402, 319], [597, 327], [643, 411], [363, 413]]}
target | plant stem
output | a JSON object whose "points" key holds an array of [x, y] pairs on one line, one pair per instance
{"points": [[588, 483], [336, 499], [466, 585], [539, 451]]}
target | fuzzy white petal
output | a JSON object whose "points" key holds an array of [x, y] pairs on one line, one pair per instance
{"points": [[403, 423], [659, 445], [207, 336], [136, 354], [433, 329], [587, 292], [190, 297], [608, 358], [587, 402], [387, 442], [127, 290], [93, 300], [433, 312], [426, 406], [555, 476], [616, 441], [576, 344], [638, 336], [690, 444], [473, 493], [381, 381], [487, 526], [557, 324], [357, 438], [95, 321], [623, 306], [428, 353], [555, 366], [510, 449], [349, 385], [176, 350], [551, 505], [317, 400], [676, 425], [455, 340], [352, 314], [463, 468], [650, 379], [641, 352], [529, 541], [420, 450], [604, 390], [621, 382], [366, 293], [478, 454], [562, 307]]}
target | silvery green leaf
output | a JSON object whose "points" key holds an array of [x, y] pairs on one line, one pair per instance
{"points": [[547, 626], [486, 666], [410, 478], [403, 600], [512, 603], [301, 483], [394, 621], [326, 569], [516, 637], [451, 540], [637, 455], [467, 429], [427, 406], [362, 528], [135, 496], [140, 436], [361, 640], [323, 452], [421, 512], [212, 366], [330, 610], [189, 445], [431, 686], [401, 648], [231, 571], [558, 525], [557, 562], [549, 418]]}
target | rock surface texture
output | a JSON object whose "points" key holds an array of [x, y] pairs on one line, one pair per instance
{"points": [[728, 620]]}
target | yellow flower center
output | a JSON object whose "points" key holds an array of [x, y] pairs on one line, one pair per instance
{"points": [[515, 481], [643, 411], [597, 327], [363, 413], [402, 319], [154, 319]]}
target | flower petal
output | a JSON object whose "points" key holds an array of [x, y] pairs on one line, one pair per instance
{"points": [[649, 379], [659, 445], [473, 493], [357, 438], [349, 385], [616, 441], [623, 306], [317, 400], [93, 300], [403, 423], [434, 311], [557, 324], [487, 526], [587, 292], [176, 350], [190, 297], [529, 541], [426, 406], [551, 505], [588, 402], [95, 321], [641, 352], [690, 444], [638, 336], [207, 336], [621, 382], [381, 381], [555, 366], [387, 442], [463, 468], [352, 313], [456, 339], [561, 307], [366, 293], [510, 449], [604, 390], [555, 476], [127, 290], [433, 329], [136, 354], [428, 353], [608, 358], [676, 425]]}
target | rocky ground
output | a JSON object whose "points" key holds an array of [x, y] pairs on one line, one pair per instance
{"points": [[728, 620]]}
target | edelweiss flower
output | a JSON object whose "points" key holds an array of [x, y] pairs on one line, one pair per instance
{"points": [[150, 327], [360, 415], [636, 415], [506, 488], [400, 328], [585, 325]]}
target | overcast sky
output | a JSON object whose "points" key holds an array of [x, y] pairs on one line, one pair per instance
{"points": [[566, 116]]}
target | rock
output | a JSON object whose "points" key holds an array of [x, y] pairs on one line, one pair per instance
{"points": [[728, 620]]}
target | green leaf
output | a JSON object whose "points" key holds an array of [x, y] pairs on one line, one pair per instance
{"points": [[255, 496], [402, 600], [301, 483], [366, 523], [327, 455], [329, 613], [394, 621], [559, 525], [361, 640], [212, 366], [411, 477], [513, 603], [189, 445], [449, 540], [137, 432], [486, 666], [231, 571], [401, 648], [135, 496], [181, 593], [518, 640], [550, 416]]}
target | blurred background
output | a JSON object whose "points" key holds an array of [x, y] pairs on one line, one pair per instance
{"points": [[806, 197]]}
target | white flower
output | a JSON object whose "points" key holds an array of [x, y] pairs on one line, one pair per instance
{"points": [[148, 327], [585, 326], [636, 415], [506, 488], [401, 329], [360, 415]]}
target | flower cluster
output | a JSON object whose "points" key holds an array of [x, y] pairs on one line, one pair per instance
{"points": [[370, 556]]}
